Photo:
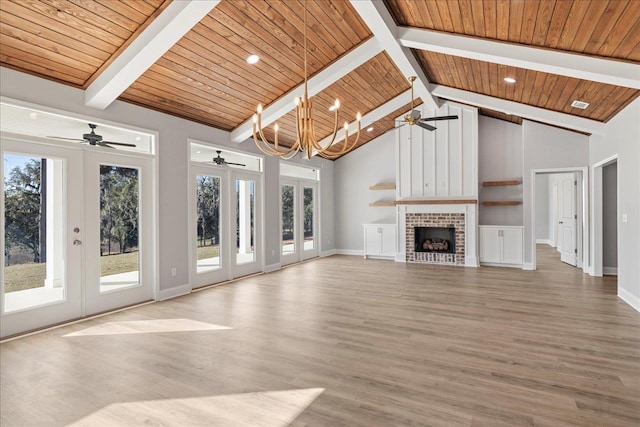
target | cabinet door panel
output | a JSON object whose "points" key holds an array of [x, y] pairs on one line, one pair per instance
{"points": [[388, 241], [512, 246], [372, 241], [490, 245]]}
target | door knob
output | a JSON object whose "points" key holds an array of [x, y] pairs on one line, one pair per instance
{"points": [[559, 222], [77, 242]]}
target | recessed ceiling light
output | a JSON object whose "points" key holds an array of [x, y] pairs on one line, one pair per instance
{"points": [[33, 116], [252, 59], [580, 104], [509, 80], [370, 128]]}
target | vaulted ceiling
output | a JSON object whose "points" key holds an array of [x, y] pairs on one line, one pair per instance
{"points": [[189, 60]]}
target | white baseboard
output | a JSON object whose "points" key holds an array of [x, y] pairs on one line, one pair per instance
{"points": [[176, 291], [629, 298], [611, 271], [471, 261], [495, 264], [401, 257], [272, 267], [328, 253], [528, 266], [349, 252], [544, 242], [390, 258]]}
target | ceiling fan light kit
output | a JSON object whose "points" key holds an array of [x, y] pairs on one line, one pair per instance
{"points": [[414, 116], [306, 139]]}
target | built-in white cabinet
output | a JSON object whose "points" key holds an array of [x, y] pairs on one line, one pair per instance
{"points": [[379, 240], [501, 245]]}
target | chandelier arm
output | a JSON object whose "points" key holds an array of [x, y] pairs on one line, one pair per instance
{"points": [[346, 147], [270, 147]]}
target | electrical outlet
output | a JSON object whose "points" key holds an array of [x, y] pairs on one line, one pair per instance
{"points": [[273, 252], [174, 271], [625, 218]]}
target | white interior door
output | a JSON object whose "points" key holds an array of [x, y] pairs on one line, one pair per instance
{"points": [[567, 221], [246, 240], [210, 225], [118, 244], [41, 235]]}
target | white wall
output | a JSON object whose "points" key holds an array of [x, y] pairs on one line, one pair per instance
{"points": [[547, 147], [373, 163], [610, 216], [542, 215], [499, 159], [621, 138], [173, 160], [443, 163]]}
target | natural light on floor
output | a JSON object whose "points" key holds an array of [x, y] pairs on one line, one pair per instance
{"points": [[148, 326], [266, 409]]}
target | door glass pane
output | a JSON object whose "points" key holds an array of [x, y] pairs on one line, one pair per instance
{"points": [[208, 223], [288, 219], [119, 228], [34, 252], [308, 219], [245, 220]]}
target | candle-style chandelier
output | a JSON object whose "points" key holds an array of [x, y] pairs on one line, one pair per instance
{"points": [[306, 140]]}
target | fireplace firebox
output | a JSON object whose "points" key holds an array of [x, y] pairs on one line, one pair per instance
{"points": [[435, 239]]}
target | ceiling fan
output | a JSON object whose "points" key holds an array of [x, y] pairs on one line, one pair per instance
{"points": [[93, 138], [221, 161], [413, 118]]}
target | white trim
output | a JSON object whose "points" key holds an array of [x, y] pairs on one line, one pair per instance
{"points": [[316, 84], [330, 252], [272, 267], [518, 109], [471, 261], [629, 298], [165, 31], [381, 257], [610, 271], [544, 242], [349, 252], [596, 268], [497, 264], [174, 292], [383, 27], [528, 266], [574, 65]]}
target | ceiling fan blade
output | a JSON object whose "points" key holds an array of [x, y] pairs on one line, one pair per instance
{"points": [[67, 139], [124, 144], [236, 164], [434, 119], [104, 144], [397, 127], [426, 126], [415, 114]]}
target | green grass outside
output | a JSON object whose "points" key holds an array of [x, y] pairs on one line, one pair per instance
{"points": [[31, 275]]}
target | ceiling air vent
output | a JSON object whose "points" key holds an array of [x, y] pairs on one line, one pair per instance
{"points": [[580, 104]]}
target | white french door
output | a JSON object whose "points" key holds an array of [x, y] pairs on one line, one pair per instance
{"points": [[247, 236], [209, 224], [298, 203], [77, 233], [118, 244], [41, 235], [225, 211]]}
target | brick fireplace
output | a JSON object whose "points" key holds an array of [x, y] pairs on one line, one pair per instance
{"points": [[439, 220], [429, 248]]}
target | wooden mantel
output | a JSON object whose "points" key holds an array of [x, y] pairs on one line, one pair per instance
{"points": [[438, 202]]}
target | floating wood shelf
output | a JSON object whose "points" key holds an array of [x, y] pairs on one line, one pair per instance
{"points": [[383, 187], [383, 203], [437, 202], [503, 203], [500, 183]]}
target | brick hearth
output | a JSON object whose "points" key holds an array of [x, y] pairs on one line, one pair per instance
{"points": [[455, 220]]}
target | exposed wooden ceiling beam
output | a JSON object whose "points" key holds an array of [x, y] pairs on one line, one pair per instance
{"points": [[518, 109], [168, 27], [371, 117], [381, 23], [546, 60], [316, 84]]}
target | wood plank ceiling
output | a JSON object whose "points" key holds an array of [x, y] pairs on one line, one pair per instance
{"points": [[70, 41], [205, 77], [608, 29]]}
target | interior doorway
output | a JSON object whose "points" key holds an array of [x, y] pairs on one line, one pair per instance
{"points": [[559, 215], [605, 219]]}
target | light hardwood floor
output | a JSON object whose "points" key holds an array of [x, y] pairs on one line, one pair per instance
{"points": [[343, 341]]}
